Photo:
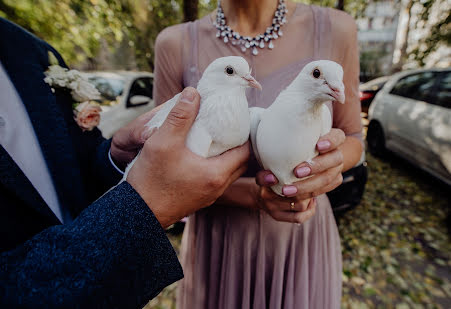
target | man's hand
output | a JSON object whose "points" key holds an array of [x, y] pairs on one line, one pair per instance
{"points": [[172, 180], [129, 140]]}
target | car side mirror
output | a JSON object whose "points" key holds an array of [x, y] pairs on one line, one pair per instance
{"points": [[139, 100]]}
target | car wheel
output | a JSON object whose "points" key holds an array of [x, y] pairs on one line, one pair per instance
{"points": [[376, 139]]}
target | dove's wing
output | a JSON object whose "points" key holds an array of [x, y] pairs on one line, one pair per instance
{"points": [[199, 140], [326, 118], [255, 117], [163, 113], [155, 122]]}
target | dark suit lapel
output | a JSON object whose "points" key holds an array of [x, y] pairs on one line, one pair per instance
{"points": [[48, 115], [14, 180]]}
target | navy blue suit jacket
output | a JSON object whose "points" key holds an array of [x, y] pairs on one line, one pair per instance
{"points": [[115, 253]]}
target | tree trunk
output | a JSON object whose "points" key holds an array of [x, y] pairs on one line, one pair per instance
{"points": [[340, 5], [403, 49], [190, 9]]}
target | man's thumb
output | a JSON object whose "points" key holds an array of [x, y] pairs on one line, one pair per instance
{"points": [[181, 118]]}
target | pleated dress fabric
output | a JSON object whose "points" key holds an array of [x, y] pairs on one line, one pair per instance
{"points": [[240, 258]]}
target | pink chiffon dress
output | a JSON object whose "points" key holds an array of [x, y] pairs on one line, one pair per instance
{"points": [[241, 258]]}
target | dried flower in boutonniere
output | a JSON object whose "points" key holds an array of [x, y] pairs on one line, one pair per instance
{"points": [[86, 112], [87, 115]]}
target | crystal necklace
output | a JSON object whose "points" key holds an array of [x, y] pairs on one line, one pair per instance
{"points": [[266, 39]]}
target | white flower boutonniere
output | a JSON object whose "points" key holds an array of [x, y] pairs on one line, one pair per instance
{"points": [[86, 112]]}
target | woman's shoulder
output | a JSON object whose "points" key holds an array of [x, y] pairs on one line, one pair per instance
{"points": [[342, 23], [171, 36]]}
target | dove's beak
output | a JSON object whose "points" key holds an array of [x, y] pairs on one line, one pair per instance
{"points": [[338, 93], [252, 82]]}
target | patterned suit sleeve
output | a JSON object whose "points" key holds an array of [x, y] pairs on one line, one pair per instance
{"points": [[114, 255]]}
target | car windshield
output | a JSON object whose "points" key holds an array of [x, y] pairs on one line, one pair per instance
{"points": [[109, 88]]}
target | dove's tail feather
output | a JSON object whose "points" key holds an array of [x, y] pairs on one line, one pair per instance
{"points": [[255, 114], [163, 113], [129, 167]]}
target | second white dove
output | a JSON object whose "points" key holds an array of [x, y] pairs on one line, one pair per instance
{"points": [[285, 134]]}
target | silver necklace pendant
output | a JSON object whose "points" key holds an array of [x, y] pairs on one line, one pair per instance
{"points": [[272, 33]]}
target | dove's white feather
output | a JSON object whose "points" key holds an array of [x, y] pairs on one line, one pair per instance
{"points": [[286, 133], [160, 117], [255, 116], [223, 119]]}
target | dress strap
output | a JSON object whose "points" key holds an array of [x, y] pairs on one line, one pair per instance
{"points": [[321, 20], [194, 44], [191, 60]]}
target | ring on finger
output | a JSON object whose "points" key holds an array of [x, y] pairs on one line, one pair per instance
{"points": [[292, 206]]}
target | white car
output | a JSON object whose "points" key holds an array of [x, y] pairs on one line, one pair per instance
{"points": [[125, 96], [411, 116]]}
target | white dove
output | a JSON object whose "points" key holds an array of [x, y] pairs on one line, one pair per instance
{"points": [[223, 120], [285, 134]]}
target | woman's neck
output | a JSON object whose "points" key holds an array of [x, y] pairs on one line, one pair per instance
{"points": [[249, 17]]}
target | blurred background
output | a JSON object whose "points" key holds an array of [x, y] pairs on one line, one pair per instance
{"points": [[393, 208], [120, 34]]}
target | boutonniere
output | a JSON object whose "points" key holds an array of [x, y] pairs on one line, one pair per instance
{"points": [[86, 111]]}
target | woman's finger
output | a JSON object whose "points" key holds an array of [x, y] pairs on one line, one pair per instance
{"points": [[266, 179], [334, 184], [267, 195], [315, 185], [319, 164], [330, 141], [296, 216], [299, 205]]}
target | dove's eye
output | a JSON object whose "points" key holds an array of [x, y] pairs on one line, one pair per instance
{"points": [[229, 70], [316, 73]]}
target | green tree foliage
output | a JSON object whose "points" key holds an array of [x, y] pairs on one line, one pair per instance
{"points": [[79, 29], [124, 31], [73, 27], [439, 32], [147, 19]]}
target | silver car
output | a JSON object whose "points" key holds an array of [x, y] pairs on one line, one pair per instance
{"points": [[411, 116], [125, 96]]}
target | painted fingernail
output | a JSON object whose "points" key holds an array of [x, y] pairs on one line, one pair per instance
{"points": [[289, 190], [187, 95], [270, 179], [323, 145], [303, 171]]}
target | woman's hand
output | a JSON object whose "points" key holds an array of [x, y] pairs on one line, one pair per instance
{"points": [[292, 209], [324, 170]]}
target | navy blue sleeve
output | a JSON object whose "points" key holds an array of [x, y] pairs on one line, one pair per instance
{"points": [[114, 255]]}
